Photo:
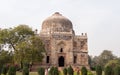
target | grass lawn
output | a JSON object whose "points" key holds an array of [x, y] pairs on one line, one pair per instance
{"points": [[31, 73], [34, 73], [61, 73]]}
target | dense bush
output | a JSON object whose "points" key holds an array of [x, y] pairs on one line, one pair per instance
{"points": [[51, 72], [92, 68], [117, 70], [84, 71], [12, 70], [65, 71], [26, 64], [41, 71], [17, 67], [90, 73], [0, 69], [21, 65], [25, 71], [108, 70], [98, 70], [70, 70], [4, 69], [56, 72]]}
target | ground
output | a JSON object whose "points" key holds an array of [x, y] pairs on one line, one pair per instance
{"points": [[35, 73]]}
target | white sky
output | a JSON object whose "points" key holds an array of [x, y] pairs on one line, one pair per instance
{"points": [[99, 18]]}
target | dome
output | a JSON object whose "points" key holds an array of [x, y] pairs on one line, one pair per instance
{"points": [[57, 22]]}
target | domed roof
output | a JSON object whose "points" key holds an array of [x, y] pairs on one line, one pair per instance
{"points": [[57, 22]]}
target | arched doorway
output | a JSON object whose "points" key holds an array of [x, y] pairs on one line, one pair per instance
{"points": [[61, 61]]}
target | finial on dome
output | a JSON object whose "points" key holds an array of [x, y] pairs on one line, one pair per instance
{"points": [[56, 13]]}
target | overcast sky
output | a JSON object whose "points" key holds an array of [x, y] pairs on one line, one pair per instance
{"points": [[100, 19]]}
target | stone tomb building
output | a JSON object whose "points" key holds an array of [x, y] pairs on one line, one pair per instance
{"points": [[63, 47]]}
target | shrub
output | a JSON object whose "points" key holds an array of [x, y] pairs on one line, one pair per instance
{"points": [[21, 65], [0, 69], [65, 71], [92, 68], [51, 72], [84, 71], [70, 70], [41, 71], [17, 67], [90, 73], [56, 72], [12, 70], [108, 70], [4, 69], [25, 71], [26, 64], [117, 70], [98, 70]]}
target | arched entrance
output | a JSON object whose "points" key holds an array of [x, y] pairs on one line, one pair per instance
{"points": [[61, 61]]}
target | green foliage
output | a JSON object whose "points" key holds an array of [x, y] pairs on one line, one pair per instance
{"points": [[26, 64], [108, 70], [4, 69], [21, 64], [41, 71], [56, 72], [5, 57], [117, 70], [65, 71], [70, 70], [84, 71], [0, 68], [98, 70], [113, 63], [25, 71], [103, 58], [51, 72], [30, 50], [38, 48], [13, 36], [12, 70], [90, 73]]}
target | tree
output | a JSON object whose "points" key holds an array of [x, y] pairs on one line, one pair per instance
{"points": [[30, 50], [5, 57], [4, 69], [84, 71], [0, 69], [113, 63], [92, 62], [65, 71], [56, 72], [41, 71], [12, 70], [38, 48], [70, 70], [98, 70], [23, 44], [51, 72], [108, 70], [117, 70], [13, 36], [103, 58], [25, 71]]}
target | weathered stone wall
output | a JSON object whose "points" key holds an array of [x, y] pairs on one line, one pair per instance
{"points": [[62, 44]]}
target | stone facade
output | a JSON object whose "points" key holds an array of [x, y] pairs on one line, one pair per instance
{"points": [[63, 47]]}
